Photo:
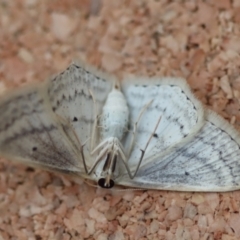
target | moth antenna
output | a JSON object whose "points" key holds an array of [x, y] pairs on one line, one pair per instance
{"points": [[87, 181]]}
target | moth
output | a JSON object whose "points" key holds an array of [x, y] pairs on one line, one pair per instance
{"points": [[149, 133]]}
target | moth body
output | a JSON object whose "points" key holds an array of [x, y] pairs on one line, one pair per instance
{"points": [[115, 116], [113, 125]]}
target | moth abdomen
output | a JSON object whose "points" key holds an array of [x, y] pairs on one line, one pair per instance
{"points": [[115, 115]]}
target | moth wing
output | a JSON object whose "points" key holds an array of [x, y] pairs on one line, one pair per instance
{"points": [[30, 133], [209, 162], [77, 96], [171, 101]]}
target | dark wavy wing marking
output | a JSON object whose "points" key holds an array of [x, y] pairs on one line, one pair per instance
{"points": [[70, 98], [181, 114], [29, 133], [210, 162]]}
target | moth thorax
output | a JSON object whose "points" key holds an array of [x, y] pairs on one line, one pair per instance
{"points": [[115, 116]]}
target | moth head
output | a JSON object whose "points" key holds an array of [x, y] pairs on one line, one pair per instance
{"points": [[106, 182]]}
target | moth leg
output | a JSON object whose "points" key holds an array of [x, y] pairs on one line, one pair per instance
{"points": [[65, 122], [95, 121], [125, 161], [135, 127], [144, 150], [106, 148], [99, 158], [83, 156], [102, 154], [105, 151]]}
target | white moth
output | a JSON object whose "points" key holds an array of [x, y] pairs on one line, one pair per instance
{"points": [[142, 133]]}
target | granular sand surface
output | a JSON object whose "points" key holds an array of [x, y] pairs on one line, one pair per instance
{"points": [[197, 40]]}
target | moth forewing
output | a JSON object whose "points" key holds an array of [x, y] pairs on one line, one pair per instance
{"points": [[31, 134], [77, 95], [182, 115]]}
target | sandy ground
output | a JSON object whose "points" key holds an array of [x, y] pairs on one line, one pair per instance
{"points": [[197, 40]]}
